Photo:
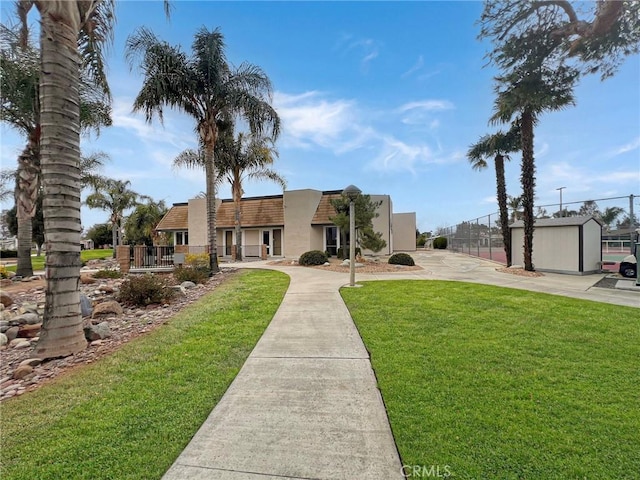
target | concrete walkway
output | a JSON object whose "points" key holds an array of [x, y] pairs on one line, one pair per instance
{"points": [[305, 405]]}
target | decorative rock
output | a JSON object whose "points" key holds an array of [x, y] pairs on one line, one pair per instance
{"points": [[107, 308], [187, 285], [28, 308], [26, 279], [3, 340], [12, 333], [34, 278], [26, 319], [87, 280], [29, 331], [32, 362], [179, 290], [97, 332], [20, 343], [5, 299], [85, 305], [22, 371], [1, 306], [326, 264]]}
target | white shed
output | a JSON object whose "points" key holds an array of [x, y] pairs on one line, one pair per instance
{"points": [[561, 245]]}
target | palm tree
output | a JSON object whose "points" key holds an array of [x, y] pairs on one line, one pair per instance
{"points": [[245, 157], [115, 197], [140, 226], [20, 108], [498, 145], [72, 34], [207, 88], [610, 215], [515, 204], [525, 93]]}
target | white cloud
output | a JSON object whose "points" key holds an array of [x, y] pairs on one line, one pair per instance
{"points": [[367, 48], [308, 119], [629, 147], [396, 155], [416, 66], [429, 105]]}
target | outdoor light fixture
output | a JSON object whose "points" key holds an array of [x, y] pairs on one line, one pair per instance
{"points": [[352, 192]]}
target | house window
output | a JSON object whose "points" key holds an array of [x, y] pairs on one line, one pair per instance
{"points": [[182, 238]]}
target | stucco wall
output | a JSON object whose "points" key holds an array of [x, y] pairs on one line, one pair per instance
{"points": [[299, 208], [383, 223], [198, 222], [404, 232]]}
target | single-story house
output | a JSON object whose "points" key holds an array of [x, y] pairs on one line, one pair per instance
{"points": [[284, 225]]}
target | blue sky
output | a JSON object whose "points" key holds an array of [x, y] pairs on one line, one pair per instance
{"points": [[384, 95]]}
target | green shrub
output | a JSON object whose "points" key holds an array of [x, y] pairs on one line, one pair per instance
{"points": [[327, 253], [107, 273], [313, 257], [144, 290], [191, 274], [440, 243], [401, 259], [344, 253], [8, 254]]}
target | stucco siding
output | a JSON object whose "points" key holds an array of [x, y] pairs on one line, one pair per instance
{"points": [[299, 209], [404, 232], [316, 238], [198, 222], [592, 246], [382, 223]]}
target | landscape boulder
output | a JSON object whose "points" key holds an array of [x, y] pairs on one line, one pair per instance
{"points": [[110, 307], [97, 332], [5, 299]]}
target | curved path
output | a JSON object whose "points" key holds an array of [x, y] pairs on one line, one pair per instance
{"points": [[305, 405]]}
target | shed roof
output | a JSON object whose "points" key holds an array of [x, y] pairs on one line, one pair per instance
{"points": [[177, 218], [325, 209], [256, 212], [558, 222]]}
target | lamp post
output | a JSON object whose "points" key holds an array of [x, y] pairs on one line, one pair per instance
{"points": [[352, 192], [560, 189]]}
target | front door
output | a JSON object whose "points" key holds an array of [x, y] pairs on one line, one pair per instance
{"points": [[228, 242], [266, 240], [277, 242]]}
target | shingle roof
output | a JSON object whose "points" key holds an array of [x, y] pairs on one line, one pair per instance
{"points": [[557, 222], [256, 212], [177, 218], [325, 209]]}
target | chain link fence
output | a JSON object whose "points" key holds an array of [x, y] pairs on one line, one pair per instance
{"points": [[482, 236]]}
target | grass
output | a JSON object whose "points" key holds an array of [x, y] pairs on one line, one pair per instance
{"points": [[129, 415], [37, 263], [500, 383]]}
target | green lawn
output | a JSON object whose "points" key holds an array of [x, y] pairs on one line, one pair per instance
{"points": [[37, 263], [500, 383], [129, 415]]}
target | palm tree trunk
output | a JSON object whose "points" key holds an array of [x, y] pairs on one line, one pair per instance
{"points": [[237, 192], [114, 235], [25, 240], [528, 182], [27, 185], [62, 332], [501, 187], [210, 173]]}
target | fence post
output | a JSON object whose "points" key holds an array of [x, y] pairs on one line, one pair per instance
{"points": [[123, 257], [490, 239], [632, 223], [263, 253]]}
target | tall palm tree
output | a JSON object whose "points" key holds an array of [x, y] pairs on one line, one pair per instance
{"points": [[72, 34], [515, 204], [525, 93], [245, 157], [499, 146], [20, 109], [115, 197], [206, 87]]}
